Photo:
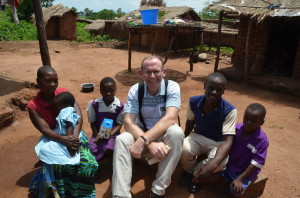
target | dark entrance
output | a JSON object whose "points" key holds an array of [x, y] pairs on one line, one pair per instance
{"points": [[282, 46]]}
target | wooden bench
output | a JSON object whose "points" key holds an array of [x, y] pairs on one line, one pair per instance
{"points": [[256, 188]]}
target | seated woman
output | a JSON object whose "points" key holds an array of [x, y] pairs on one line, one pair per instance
{"points": [[69, 180]]}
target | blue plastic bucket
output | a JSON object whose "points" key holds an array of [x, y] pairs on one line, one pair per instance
{"points": [[149, 16]]}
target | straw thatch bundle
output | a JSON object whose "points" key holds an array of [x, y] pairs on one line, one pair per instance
{"points": [[169, 13], [96, 25], [54, 11], [259, 8]]}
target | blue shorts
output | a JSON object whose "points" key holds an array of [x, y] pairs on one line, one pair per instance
{"points": [[231, 177]]}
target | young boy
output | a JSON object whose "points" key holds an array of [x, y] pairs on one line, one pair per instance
{"points": [[106, 107], [249, 150], [210, 130]]}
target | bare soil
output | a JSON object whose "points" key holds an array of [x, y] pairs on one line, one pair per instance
{"points": [[89, 63]]}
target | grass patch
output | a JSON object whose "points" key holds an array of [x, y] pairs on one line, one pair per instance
{"points": [[205, 48], [17, 32], [85, 36]]}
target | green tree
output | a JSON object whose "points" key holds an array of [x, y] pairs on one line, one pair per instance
{"points": [[105, 14], [25, 10], [119, 13], [205, 13], [88, 12], [74, 9]]}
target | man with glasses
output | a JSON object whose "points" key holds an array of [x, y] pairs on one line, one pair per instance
{"points": [[212, 120], [161, 136]]}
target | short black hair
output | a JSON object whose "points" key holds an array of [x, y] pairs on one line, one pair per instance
{"points": [[66, 99], [214, 76], [44, 69], [107, 80], [257, 107]]}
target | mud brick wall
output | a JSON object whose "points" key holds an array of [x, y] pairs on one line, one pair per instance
{"points": [[227, 39], [184, 40], [113, 33], [258, 42], [296, 72], [67, 26]]}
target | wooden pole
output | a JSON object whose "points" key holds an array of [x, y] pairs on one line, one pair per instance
{"points": [[173, 38], [40, 25], [129, 51], [219, 40], [247, 49]]}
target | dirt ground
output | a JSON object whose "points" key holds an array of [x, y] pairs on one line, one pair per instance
{"points": [[82, 63]]}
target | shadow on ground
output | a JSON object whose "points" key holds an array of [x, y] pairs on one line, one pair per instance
{"points": [[8, 85]]}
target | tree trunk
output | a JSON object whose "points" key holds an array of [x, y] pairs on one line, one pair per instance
{"points": [[41, 32]]}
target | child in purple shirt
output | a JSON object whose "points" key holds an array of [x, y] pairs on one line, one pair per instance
{"points": [[249, 150], [106, 107]]}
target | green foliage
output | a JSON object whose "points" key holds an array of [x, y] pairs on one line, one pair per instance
{"points": [[6, 16], [21, 31], [208, 14], [223, 49], [205, 48], [161, 13], [205, 13], [103, 14], [25, 10], [85, 36]]}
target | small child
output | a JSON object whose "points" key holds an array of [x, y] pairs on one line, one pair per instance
{"points": [[249, 150], [52, 152], [106, 107]]}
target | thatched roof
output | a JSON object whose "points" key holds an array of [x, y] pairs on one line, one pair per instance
{"points": [[170, 13], [212, 27], [96, 25], [55, 11], [259, 8]]}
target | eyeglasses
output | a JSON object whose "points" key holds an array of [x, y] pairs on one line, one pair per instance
{"points": [[155, 73]]}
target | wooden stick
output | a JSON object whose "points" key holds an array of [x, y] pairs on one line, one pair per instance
{"points": [[129, 51], [219, 40], [247, 49]]}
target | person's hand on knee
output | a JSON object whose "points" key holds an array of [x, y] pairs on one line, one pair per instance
{"points": [[158, 150]]}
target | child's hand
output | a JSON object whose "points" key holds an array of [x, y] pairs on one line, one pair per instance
{"points": [[97, 139], [237, 186]]}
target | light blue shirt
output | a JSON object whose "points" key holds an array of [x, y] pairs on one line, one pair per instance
{"points": [[154, 107], [52, 152]]}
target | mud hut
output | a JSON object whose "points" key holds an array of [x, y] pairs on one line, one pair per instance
{"points": [[60, 22], [96, 27], [267, 50], [100, 27], [145, 37]]}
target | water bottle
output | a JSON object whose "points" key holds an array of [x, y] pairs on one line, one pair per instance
{"points": [[105, 128]]}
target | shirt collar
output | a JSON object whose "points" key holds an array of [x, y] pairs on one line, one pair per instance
{"points": [[116, 101], [161, 90]]}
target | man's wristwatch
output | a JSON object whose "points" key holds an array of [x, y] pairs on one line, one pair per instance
{"points": [[145, 140]]}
